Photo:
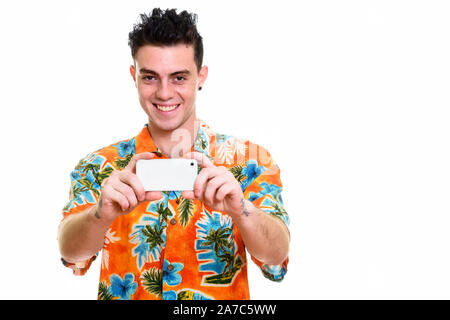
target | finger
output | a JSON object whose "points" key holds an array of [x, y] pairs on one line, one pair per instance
{"points": [[188, 194], [133, 181], [128, 192], [202, 178], [153, 195], [202, 160], [212, 186], [140, 156], [223, 191], [115, 197]]}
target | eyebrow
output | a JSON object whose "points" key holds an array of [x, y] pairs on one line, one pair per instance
{"points": [[148, 71]]}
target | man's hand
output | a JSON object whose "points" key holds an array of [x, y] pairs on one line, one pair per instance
{"points": [[265, 236], [83, 234], [122, 191], [216, 187]]}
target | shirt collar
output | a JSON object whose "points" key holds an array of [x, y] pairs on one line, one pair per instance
{"points": [[202, 143]]}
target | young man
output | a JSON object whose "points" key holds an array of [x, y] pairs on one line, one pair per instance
{"points": [[175, 245]]}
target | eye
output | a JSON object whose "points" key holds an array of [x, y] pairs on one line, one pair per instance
{"points": [[148, 78], [179, 78]]}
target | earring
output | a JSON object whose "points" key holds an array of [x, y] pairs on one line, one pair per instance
{"points": [[199, 88]]}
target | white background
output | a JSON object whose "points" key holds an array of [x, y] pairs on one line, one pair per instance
{"points": [[350, 97]]}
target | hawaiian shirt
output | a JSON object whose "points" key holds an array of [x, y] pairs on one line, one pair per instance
{"points": [[176, 248]]}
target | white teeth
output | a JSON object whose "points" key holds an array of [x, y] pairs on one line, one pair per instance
{"points": [[166, 108]]}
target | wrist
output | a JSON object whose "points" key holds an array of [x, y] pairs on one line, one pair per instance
{"points": [[246, 210], [94, 217]]}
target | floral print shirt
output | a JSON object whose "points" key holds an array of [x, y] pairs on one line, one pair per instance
{"points": [[176, 248]]}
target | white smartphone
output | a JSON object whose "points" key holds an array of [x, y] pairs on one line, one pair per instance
{"points": [[167, 174]]}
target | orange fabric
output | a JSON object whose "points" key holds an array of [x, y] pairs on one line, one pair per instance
{"points": [[177, 248]]}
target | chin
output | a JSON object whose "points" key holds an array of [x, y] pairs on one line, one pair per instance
{"points": [[170, 125]]}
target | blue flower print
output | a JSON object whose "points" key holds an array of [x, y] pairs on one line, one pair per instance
{"points": [[170, 273], [126, 147], [169, 295], [273, 189], [252, 171], [253, 196], [123, 288]]}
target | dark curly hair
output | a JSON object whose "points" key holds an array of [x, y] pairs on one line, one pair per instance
{"points": [[165, 28]]}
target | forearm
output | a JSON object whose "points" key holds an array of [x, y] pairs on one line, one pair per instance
{"points": [[81, 235], [265, 236]]}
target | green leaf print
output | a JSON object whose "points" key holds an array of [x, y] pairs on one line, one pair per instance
{"points": [[219, 238], [89, 185], [154, 236], [237, 173], [186, 208], [103, 293], [152, 281], [105, 173], [122, 163], [163, 211]]}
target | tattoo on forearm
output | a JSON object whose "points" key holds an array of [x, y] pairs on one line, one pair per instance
{"points": [[97, 212], [244, 210]]}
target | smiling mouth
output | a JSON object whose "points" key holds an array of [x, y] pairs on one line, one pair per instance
{"points": [[166, 108]]}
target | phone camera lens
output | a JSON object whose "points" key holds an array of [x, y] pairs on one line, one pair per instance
{"points": [[192, 164]]}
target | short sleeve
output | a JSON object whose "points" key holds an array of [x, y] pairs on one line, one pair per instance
{"points": [[80, 268], [85, 188], [262, 186]]}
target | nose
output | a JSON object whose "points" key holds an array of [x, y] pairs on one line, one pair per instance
{"points": [[164, 91]]}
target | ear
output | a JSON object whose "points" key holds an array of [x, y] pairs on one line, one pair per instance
{"points": [[133, 74], [202, 75]]}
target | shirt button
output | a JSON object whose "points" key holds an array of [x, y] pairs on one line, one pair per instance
{"points": [[173, 221]]}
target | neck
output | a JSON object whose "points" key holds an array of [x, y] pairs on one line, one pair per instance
{"points": [[175, 143]]}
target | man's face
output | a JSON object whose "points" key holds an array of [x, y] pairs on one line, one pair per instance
{"points": [[167, 81]]}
